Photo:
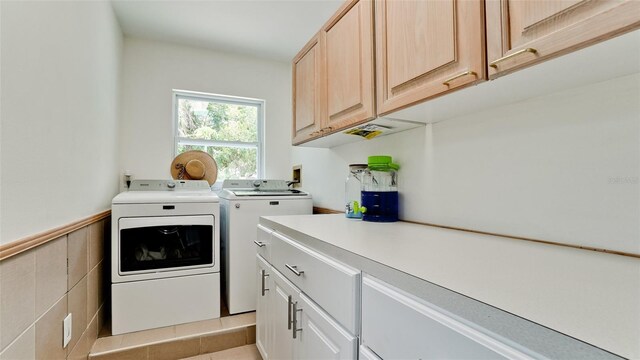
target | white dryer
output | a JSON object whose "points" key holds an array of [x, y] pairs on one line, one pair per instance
{"points": [[165, 258], [242, 202]]}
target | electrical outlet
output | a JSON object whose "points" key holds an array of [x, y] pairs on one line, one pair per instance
{"points": [[66, 331]]}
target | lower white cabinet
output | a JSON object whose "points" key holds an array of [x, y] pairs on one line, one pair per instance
{"points": [[398, 325], [280, 311], [315, 306], [320, 336], [364, 353], [263, 340], [332, 285], [290, 325]]}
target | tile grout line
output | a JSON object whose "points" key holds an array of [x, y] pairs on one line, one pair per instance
{"points": [[19, 336], [85, 331], [34, 322]]}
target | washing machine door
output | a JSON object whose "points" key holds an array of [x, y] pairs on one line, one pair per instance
{"points": [[160, 245]]}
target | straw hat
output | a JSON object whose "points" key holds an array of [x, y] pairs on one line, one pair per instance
{"points": [[194, 165]]}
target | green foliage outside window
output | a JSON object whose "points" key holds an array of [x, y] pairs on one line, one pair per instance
{"points": [[221, 122]]}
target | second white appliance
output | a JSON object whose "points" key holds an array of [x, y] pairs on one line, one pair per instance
{"points": [[242, 202], [165, 263]]}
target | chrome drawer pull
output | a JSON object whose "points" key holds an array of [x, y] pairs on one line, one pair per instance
{"points": [[295, 319], [294, 269], [259, 243], [289, 304], [264, 275]]}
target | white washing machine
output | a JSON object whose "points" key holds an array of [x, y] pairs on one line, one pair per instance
{"points": [[242, 202], [165, 258]]}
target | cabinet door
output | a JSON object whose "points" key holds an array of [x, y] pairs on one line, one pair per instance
{"points": [[282, 296], [523, 32], [307, 92], [320, 337], [397, 325], [263, 315], [426, 48], [332, 285], [348, 42]]}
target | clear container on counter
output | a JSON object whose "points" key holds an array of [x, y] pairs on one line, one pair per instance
{"points": [[380, 190], [352, 188]]}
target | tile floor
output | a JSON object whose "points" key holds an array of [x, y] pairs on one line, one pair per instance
{"points": [[247, 352], [180, 341]]}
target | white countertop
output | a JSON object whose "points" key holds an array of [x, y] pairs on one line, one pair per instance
{"points": [[592, 296]]}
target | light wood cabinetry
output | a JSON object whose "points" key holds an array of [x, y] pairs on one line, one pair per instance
{"points": [[347, 40], [333, 75], [522, 33], [383, 57], [425, 49], [308, 91]]}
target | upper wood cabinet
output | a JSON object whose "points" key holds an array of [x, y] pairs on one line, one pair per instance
{"points": [[347, 40], [308, 92], [426, 48], [522, 33], [375, 57]]}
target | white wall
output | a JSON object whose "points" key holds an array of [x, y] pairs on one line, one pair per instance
{"points": [[152, 69], [562, 167], [59, 95]]}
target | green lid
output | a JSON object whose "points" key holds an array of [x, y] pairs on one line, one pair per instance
{"points": [[381, 162]]}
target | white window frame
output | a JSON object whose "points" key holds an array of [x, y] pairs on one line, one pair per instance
{"points": [[236, 100]]}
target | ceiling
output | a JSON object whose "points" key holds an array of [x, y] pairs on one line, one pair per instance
{"points": [[273, 29]]}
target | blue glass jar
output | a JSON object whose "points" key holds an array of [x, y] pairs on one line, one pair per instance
{"points": [[380, 190]]}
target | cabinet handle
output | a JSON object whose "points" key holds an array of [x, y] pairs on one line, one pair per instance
{"points": [[264, 275], [468, 72], [259, 243], [294, 269], [289, 304], [519, 52], [295, 319]]}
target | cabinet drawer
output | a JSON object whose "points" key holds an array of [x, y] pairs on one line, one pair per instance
{"points": [[397, 325], [332, 285], [263, 242]]}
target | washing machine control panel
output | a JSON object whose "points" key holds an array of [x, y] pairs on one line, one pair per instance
{"points": [[257, 185], [169, 185]]}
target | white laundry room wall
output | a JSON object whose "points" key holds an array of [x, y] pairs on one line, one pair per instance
{"points": [[59, 113], [561, 167], [152, 69]]}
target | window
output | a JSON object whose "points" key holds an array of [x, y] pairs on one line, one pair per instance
{"points": [[228, 128]]}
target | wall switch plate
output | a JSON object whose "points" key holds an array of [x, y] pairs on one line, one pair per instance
{"points": [[66, 331]]}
